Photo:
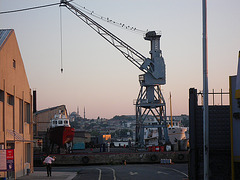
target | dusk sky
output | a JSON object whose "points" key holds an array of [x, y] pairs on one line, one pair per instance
{"points": [[97, 76]]}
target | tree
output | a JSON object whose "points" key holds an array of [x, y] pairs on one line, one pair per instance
{"points": [[185, 122], [122, 133], [95, 133]]}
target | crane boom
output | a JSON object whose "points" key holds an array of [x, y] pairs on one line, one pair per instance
{"points": [[131, 54]]}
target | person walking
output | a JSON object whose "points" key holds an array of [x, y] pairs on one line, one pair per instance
{"points": [[48, 161]]}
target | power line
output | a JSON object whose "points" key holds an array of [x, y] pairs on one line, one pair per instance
{"points": [[31, 8], [121, 25]]}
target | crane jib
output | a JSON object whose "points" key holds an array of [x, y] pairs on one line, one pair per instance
{"points": [[130, 53]]}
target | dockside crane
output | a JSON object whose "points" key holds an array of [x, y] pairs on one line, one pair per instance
{"points": [[150, 99]]}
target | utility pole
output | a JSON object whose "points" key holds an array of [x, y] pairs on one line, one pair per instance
{"points": [[171, 110], [205, 94]]}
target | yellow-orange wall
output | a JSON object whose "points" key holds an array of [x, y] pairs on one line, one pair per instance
{"points": [[14, 82]]}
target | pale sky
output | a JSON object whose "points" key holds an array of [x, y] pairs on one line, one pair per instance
{"points": [[97, 76]]}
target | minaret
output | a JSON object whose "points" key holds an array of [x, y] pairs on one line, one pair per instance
{"points": [[77, 110], [84, 113]]}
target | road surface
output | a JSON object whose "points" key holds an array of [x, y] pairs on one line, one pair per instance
{"points": [[129, 171]]}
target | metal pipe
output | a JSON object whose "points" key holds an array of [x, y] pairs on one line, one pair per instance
{"points": [[34, 101], [221, 97], [171, 110], [205, 94], [213, 96]]}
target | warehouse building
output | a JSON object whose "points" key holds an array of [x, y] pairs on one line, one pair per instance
{"points": [[15, 110]]}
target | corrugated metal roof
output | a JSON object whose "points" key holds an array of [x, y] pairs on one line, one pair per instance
{"points": [[4, 33]]}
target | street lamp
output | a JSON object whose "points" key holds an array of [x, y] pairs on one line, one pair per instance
{"points": [[205, 94]]}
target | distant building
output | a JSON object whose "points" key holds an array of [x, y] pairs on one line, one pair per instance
{"points": [[81, 136], [74, 116], [177, 120], [43, 117], [16, 130]]}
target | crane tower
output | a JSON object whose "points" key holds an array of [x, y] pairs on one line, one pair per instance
{"points": [[150, 100]]}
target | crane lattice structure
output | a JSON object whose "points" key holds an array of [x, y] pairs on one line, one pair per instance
{"points": [[150, 101]]}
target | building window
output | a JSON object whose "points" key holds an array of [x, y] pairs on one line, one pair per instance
{"points": [[28, 153], [1, 96], [27, 112], [34, 129], [10, 145], [14, 63], [10, 99], [1, 146], [20, 116]]}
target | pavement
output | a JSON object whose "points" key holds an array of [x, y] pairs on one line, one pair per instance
{"points": [[55, 175]]}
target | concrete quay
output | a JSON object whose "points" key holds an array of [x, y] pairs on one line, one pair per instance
{"points": [[92, 158], [55, 176]]}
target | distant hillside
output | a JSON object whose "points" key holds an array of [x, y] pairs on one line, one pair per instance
{"points": [[124, 117]]}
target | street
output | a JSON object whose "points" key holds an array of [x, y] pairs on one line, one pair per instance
{"points": [[123, 172]]}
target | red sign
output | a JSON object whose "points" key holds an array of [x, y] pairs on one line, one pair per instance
{"points": [[10, 154]]}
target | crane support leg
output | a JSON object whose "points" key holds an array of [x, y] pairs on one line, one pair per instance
{"points": [[151, 109]]}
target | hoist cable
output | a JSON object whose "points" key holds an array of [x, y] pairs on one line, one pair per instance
{"points": [[61, 44]]}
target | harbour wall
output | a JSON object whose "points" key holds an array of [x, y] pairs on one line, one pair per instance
{"points": [[116, 158]]}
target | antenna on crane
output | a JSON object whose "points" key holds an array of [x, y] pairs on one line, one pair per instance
{"points": [[171, 109]]}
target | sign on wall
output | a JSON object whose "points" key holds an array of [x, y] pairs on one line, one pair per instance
{"points": [[3, 160], [10, 159], [235, 120], [7, 160]]}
